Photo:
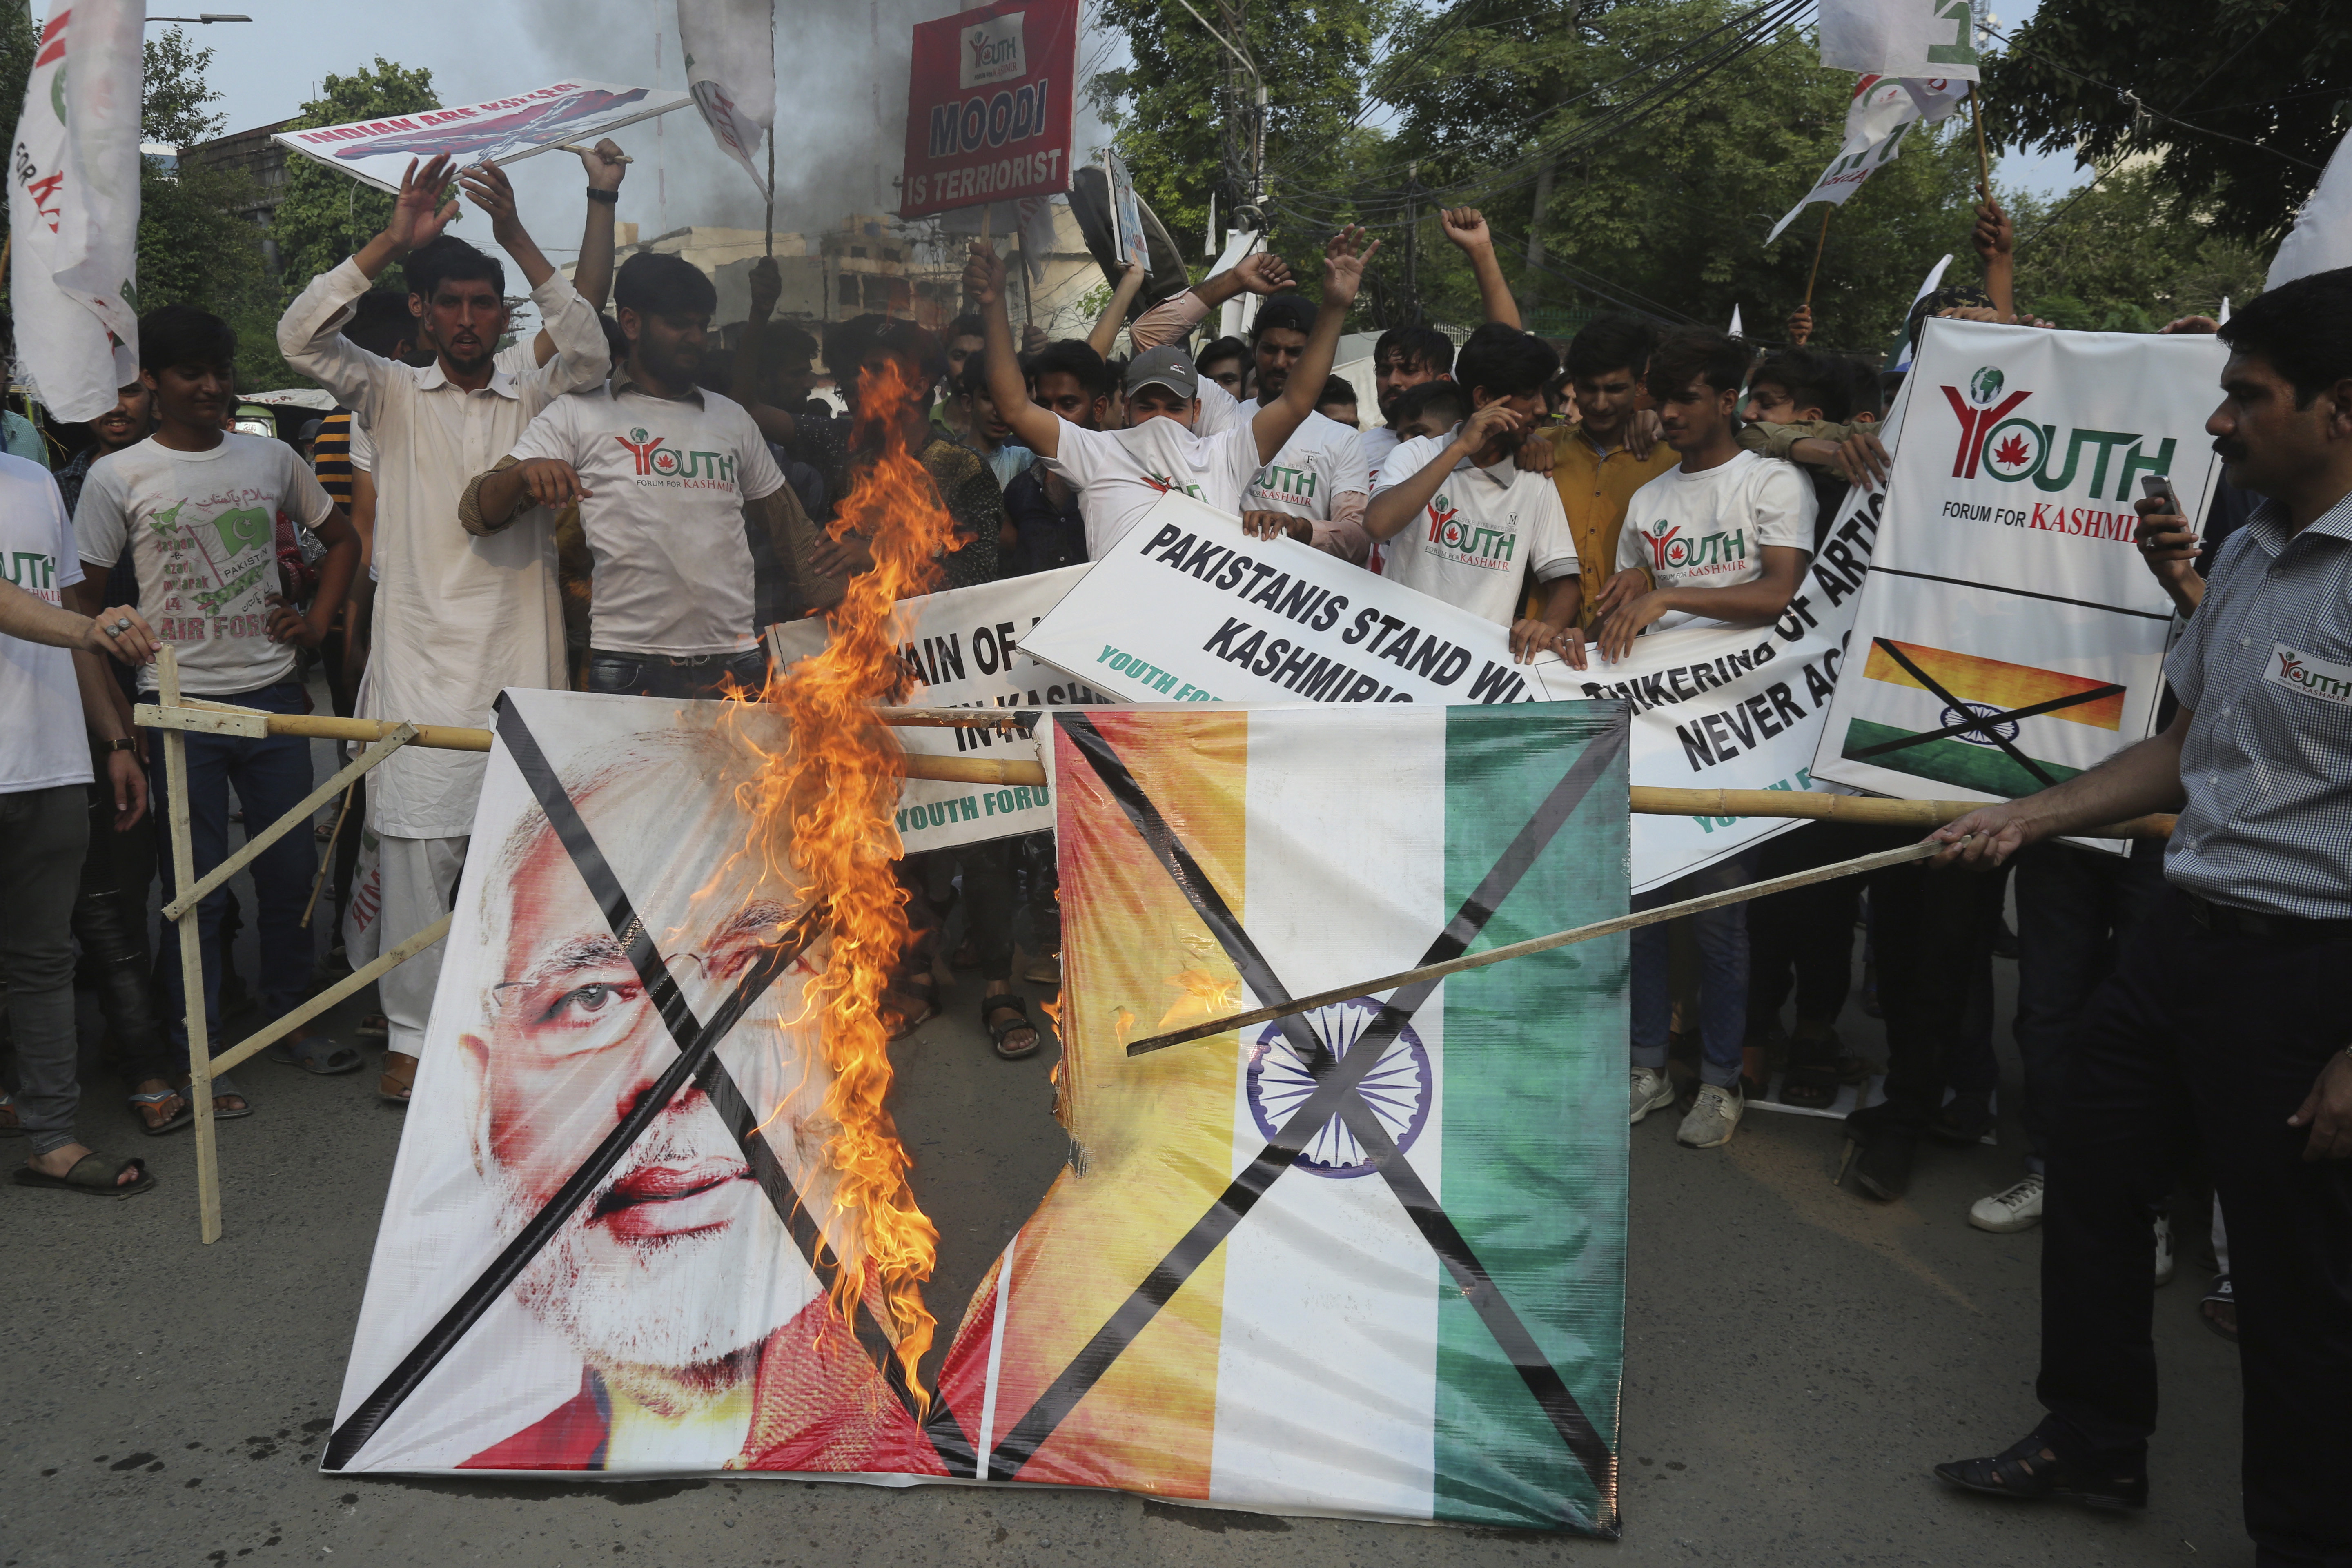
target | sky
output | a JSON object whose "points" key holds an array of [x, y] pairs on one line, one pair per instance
{"points": [[841, 74]]}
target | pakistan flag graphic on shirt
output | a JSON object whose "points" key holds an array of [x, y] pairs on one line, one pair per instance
{"points": [[215, 556]]}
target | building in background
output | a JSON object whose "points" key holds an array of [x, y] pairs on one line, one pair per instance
{"points": [[253, 153], [869, 265]]}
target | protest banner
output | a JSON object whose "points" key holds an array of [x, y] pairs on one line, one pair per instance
{"points": [[1880, 114], [1900, 37], [1128, 239], [731, 68], [988, 106], [501, 131], [2010, 636], [73, 209], [609, 1188], [1236, 619], [959, 646]]}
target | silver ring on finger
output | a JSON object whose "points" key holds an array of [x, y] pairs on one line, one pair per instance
{"points": [[120, 626]]}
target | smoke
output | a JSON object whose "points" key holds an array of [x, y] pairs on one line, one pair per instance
{"points": [[840, 99]]}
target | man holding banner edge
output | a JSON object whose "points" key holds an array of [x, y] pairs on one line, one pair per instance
{"points": [[2233, 986]]}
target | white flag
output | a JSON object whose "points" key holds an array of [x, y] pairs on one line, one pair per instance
{"points": [[1877, 118], [731, 69], [1934, 281], [2321, 238], [73, 208], [1900, 37]]}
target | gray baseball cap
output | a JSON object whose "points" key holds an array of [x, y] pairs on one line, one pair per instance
{"points": [[1167, 366]]}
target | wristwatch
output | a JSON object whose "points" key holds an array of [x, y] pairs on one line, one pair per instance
{"points": [[123, 744], [610, 198]]}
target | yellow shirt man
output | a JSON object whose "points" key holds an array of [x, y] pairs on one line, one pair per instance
{"points": [[1595, 486]]}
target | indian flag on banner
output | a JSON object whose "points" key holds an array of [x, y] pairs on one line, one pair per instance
{"points": [[1369, 1261], [1977, 722]]}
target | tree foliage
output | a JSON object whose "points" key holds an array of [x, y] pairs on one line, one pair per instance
{"points": [[1168, 108], [326, 214], [2128, 255], [17, 36], [2223, 73], [1662, 201], [195, 246]]}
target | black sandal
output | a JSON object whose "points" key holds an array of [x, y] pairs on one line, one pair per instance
{"points": [[2220, 1299], [2029, 1471], [1000, 1029], [1811, 1079]]}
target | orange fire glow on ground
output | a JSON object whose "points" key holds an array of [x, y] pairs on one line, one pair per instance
{"points": [[826, 806]]}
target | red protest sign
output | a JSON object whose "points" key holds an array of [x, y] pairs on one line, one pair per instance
{"points": [[988, 106]]}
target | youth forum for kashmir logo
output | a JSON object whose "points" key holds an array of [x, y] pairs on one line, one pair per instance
{"points": [[1979, 409]]}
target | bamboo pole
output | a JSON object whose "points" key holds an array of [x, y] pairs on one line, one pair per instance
{"points": [[255, 843], [192, 959], [349, 986], [1984, 159], [1857, 866], [1819, 246], [327, 855]]}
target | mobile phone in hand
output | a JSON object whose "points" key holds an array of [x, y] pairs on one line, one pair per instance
{"points": [[2159, 487]]}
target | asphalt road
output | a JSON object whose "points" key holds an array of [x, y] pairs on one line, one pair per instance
{"points": [[1796, 1359]]}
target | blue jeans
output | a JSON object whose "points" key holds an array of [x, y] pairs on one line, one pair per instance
{"points": [[1723, 974], [656, 675], [2077, 910], [271, 775]]}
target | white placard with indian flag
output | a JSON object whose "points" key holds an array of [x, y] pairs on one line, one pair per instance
{"points": [[2008, 635]]}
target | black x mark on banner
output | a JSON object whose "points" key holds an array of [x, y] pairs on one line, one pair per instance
{"points": [[1985, 727], [1336, 1094], [698, 1043]]}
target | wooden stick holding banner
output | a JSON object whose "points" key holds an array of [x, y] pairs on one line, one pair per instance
{"points": [[1984, 160], [1857, 866], [1819, 246]]}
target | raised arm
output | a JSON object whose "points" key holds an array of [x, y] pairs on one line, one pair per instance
{"points": [[1107, 325], [309, 335], [1996, 242], [1261, 272], [485, 185], [1466, 227], [593, 274], [1343, 273], [1040, 430]]}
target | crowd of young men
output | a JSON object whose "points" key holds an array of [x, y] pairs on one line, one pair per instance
{"points": [[495, 498]]}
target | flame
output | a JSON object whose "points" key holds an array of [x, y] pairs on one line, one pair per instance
{"points": [[826, 804], [1205, 995]]}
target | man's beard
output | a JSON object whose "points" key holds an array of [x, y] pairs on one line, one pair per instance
{"points": [[675, 1302]]}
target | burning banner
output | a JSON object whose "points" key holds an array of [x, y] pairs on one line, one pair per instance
{"points": [[2008, 635], [957, 649], [502, 130], [626, 1199]]}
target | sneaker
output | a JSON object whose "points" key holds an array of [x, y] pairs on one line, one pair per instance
{"points": [[2015, 1208], [1652, 1089], [2163, 1249], [1713, 1121]]}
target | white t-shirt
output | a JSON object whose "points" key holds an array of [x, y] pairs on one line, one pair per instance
{"points": [[40, 707], [201, 529], [1708, 530], [1479, 533], [1120, 474], [1377, 443], [668, 480], [1322, 459]]}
